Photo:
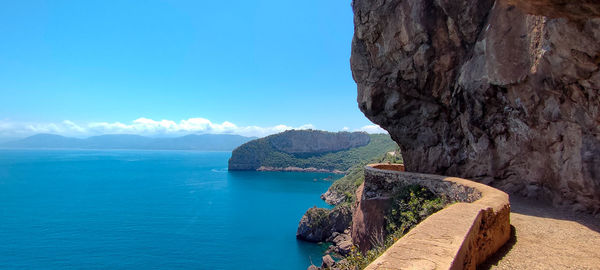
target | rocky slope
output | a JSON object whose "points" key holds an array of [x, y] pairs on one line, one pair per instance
{"points": [[309, 150], [504, 92]]}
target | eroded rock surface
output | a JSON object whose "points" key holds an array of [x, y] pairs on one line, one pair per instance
{"points": [[502, 92]]}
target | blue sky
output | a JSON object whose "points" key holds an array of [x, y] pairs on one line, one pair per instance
{"points": [[170, 67]]}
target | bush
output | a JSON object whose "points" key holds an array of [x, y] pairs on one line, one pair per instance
{"points": [[348, 184], [410, 205]]}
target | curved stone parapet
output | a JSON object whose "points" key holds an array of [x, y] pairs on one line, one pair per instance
{"points": [[460, 236]]}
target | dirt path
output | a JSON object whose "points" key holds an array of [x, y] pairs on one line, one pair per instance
{"points": [[548, 238]]}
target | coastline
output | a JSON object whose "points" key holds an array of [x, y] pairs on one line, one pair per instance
{"points": [[297, 169]]}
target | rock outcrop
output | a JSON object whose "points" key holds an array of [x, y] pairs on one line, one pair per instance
{"points": [[332, 197], [319, 224], [302, 142], [341, 243], [328, 262], [504, 92]]}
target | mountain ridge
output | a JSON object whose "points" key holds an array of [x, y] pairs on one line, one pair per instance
{"points": [[198, 142]]}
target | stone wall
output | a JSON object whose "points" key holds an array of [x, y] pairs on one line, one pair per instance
{"points": [[460, 236]]}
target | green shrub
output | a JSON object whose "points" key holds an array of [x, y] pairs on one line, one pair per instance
{"points": [[318, 216], [348, 184], [410, 205]]}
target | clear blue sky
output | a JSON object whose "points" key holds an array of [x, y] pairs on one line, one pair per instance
{"points": [[251, 63]]}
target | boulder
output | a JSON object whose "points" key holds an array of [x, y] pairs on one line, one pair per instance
{"points": [[343, 244], [328, 262]]}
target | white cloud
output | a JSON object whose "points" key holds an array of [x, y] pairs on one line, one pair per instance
{"points": [[140, 126], [72, 126], [372, 129], [192, 125]]}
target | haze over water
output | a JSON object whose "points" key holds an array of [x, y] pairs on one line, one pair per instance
{"points": [[150, 209]]}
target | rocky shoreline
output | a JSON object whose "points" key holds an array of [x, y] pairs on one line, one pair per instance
{"points": [[328, 230], [333, 197], [319, 224], [297, 169], [331, 226]]}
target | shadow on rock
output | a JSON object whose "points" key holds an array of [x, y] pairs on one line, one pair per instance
{"points": [[501, 253]]}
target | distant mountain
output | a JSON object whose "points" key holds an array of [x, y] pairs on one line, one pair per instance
{"points": [[118, 141], [45, 141], [310, 150], [204, 142]]}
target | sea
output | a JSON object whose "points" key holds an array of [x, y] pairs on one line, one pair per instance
{"points": [[125, 209]]}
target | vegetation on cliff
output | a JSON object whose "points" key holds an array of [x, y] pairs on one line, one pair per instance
{"points": [[410, 205], [332, 225], [264, 153], [344, 189]]}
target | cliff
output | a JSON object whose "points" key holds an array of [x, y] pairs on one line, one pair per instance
{"points": [[502, 92], [309, 150], [297, 142]]}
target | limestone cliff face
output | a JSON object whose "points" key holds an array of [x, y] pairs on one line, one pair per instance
{"points": [[297, 142], [503, 92]]}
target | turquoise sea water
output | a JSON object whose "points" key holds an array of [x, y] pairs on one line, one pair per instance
{"points": [[65, 209]]}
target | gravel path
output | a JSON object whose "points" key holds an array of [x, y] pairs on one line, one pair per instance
{"points": [[548, 238]]}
